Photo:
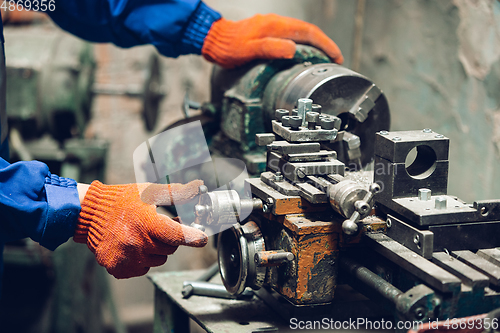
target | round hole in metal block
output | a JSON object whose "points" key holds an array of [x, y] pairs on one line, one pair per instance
{"points": [[420, 162]]}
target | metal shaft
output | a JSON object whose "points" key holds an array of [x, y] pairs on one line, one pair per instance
{"points": [[187, 290], [371, 280], [272, 258], [200, 288]]}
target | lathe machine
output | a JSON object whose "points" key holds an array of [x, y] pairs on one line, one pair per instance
{"points": [[339, 200]]}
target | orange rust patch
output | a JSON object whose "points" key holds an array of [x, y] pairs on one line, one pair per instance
{"points": [[310, 252], [295, 205], [301, 225]]}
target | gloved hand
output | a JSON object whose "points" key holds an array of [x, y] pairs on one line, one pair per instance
{"points": [[270, 36], [120, 225]]}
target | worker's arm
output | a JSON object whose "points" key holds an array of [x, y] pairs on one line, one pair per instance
{"points": [[36, 204], [119, 223], [179, 27], [174, 27]]}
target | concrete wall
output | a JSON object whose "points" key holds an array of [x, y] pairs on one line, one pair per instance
{"points": [[438, 63]]}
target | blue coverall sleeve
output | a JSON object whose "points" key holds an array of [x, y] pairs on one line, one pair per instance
{"points": [[174, 27], [36, 204]]}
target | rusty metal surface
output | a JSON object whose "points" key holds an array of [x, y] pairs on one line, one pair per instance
{"points": [[282, 204]]}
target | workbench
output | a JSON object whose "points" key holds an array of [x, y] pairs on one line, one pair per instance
{"points": [[172, 311]]}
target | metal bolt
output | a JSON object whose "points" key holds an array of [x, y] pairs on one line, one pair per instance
{"points": [[316, 108], [440, 203], [305, 106], [416, 240], [295, 122], [295, 112], [270, 201], [278, 177], [279, 113], [312, 119], [369, 228], [327, 123], [396, 138], [285, 121], [270, 258], [301, 173], [361, 206], [388, 223], [383, 132], [424, 194], [427, 130], [419, 313], [336, 122], [265, 209], [439, 136]]}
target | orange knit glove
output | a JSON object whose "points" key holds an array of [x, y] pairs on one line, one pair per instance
{"points": [[230, 44], [120, 225]]}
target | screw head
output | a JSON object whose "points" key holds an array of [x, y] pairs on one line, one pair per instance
{"points": [[383, 132], [327, 123], [439, 136], [427, 130], [301, 173], [396, 138], [285, 121], [316, 108], [278, 177], [312, 116], [295, 122], [279, 113], [388, 223], [419, 313], [416, 239]]}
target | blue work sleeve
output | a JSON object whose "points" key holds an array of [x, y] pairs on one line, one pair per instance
{"points": [[174, 27], [36, 204]]}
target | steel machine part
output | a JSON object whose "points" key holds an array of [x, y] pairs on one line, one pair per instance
{"points": [[303, 177], [400, 245], [222, 207], [237, 248], [245, 101], [302, 126]]}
